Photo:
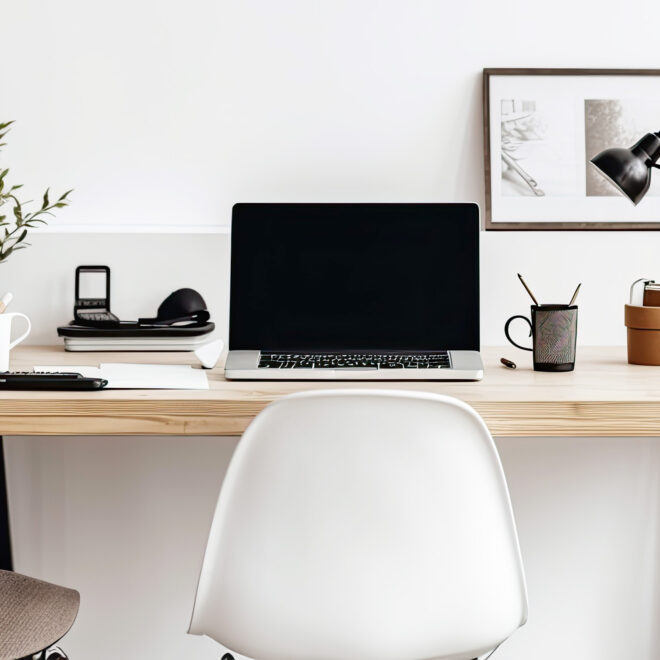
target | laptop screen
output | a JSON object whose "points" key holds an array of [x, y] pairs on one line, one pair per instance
{"points": [[354, 277]]}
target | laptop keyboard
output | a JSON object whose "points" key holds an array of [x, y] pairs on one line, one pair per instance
{"points": [[435, 360]]}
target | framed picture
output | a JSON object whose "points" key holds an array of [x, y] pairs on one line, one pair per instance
{"points": [[541, 129]]}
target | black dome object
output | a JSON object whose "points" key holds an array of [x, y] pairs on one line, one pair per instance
{"points": [[180, 306], [629, 170]]}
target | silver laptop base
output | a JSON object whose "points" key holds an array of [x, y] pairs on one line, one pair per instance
{"points": [[243, 365]]}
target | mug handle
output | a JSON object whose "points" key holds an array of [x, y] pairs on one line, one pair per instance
{"points": [[25, 334], [508, 336]]}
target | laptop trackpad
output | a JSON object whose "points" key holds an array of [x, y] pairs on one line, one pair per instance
{"points": [[355, 368]]}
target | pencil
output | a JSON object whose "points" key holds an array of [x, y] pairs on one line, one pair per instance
{"points": [[4, 301], [575, 294], [531, 295]]}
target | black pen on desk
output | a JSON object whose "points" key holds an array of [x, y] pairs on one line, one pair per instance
{"points": [[531, 295], [575, 294]]}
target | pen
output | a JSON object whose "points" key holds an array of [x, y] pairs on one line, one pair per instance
{"points": [[531, 295], [575, 294], [5, 300]]}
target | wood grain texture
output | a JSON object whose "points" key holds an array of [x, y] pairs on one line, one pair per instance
{"points": [[604, 396]]}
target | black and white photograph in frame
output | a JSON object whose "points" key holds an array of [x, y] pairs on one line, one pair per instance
{"points": [[541, 129]]}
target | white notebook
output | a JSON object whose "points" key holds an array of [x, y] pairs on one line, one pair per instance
{"points": [[135, 343], [141, 376]]}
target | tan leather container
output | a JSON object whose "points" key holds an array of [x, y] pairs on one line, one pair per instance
{"points": [[652, 296], [643, 325]]}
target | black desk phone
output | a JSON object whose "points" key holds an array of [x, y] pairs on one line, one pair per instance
{"points": [[92, 305], [183, 309]]}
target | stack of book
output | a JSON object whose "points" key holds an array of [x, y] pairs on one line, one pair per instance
{"points": [[132, 338]]}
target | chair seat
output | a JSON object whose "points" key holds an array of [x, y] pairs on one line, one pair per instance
{"points": [[33, 614]]}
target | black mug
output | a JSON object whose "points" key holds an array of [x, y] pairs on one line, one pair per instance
{"points": [[553, 329]]}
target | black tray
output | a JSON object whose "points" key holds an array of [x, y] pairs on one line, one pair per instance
{"points": [[135, 330]]}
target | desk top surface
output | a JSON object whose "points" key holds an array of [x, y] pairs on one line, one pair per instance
{"points": [[603, 396]]}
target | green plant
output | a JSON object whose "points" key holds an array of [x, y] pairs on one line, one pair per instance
{"points": [[16, 229]]}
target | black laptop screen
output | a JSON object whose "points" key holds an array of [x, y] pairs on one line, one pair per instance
{"points": [[333, 277]]}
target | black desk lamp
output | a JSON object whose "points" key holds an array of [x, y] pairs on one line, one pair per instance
{"points": [[630, 169]]}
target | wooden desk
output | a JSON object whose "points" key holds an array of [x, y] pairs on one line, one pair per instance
{"points": [[604, 396]]}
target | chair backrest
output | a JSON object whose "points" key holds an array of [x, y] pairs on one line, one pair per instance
{"points": [[363, 524]]}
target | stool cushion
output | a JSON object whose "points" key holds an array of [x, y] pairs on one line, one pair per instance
{"points": [[33, 614]]}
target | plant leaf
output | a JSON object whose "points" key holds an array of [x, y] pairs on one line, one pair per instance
{"points": [[13, 234], [18, 214]]}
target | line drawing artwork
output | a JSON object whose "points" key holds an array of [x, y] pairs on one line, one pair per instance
{"points": [[519, 126]]}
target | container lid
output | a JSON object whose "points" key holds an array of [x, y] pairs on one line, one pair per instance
{"points": [[642, 318]]}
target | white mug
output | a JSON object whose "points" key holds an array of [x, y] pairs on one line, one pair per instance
{"points": [[5, 335]]}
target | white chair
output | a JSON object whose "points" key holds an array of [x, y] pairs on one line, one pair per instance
{"points": [[363, 525]]}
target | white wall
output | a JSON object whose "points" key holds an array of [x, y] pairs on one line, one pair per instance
{"points": [[147, 267], [156, 113], [125, 520], [169, 112]]}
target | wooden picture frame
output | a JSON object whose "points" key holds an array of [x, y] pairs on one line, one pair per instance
{"points": [[622, 101]]}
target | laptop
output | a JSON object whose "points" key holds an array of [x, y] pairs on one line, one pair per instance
{"points": [[354, 292]]}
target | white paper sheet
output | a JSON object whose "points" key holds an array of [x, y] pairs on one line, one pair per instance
{"points": [[141, 376]]}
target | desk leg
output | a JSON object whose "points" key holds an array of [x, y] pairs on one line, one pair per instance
{"points": [[5, 534]]}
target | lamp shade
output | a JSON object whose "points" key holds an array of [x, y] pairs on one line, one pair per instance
{"points": [[630, 169]]}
